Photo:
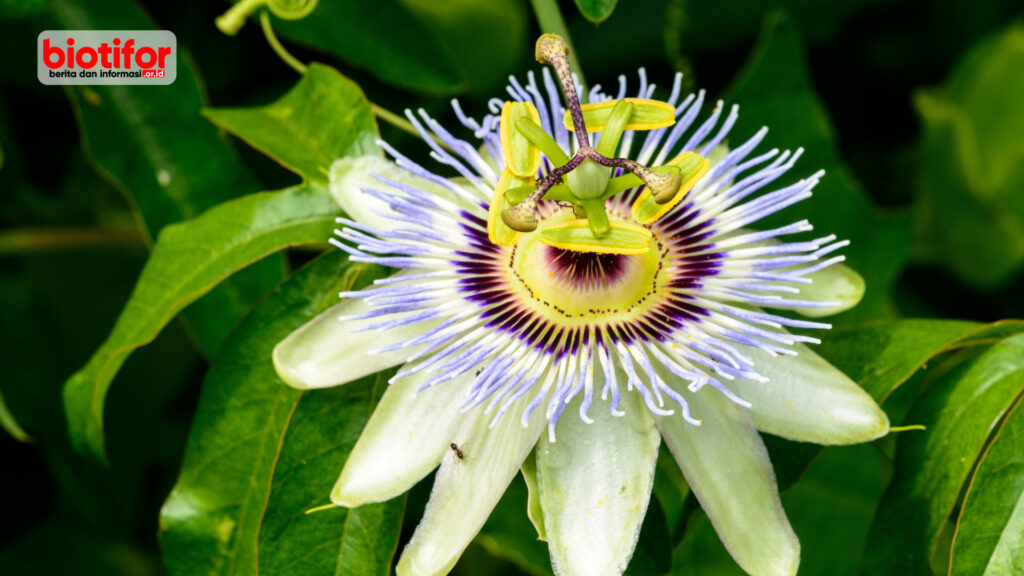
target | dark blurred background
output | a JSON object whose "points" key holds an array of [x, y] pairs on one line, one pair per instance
{"points": [[70, 249]]}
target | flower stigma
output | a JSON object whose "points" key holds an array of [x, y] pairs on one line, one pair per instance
{"points": [[583, 182]]}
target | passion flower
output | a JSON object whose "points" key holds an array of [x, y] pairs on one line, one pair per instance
{"points": [[598, 258]]}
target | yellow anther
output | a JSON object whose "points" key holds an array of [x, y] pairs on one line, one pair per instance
{"points": [[575, 235], [521, 156], [664, 187], [647, 115], [693, 167], [497, 230]]}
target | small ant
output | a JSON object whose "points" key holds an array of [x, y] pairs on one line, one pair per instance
{"points": [[458, 452]]}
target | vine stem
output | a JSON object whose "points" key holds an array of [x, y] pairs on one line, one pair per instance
{"points": [[295, 64], [551, 22], [279, 48], [232, 21]]}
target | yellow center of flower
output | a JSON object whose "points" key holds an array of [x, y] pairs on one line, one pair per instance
{"points": [[582, 286]]}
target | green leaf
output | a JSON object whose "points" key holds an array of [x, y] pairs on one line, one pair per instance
{"points": [[970, 211], [878, 356], [168, 162], [322, 118], [189, 259], [383, 37], [931, 466], [84, 551], [702, 26], [882, 355], [486, 38], [989, 537], [509, 534], [671, 490], [775, 90], [701, 553], [8, 423], [830, 509], [433, 47], [989, 334], [260, 454], [21, 8], [596, 11], [653, 555]]}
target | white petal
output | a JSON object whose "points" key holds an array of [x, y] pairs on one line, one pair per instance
{"points": [[467, 489], [349, 176], [405, 439], [726, 464], [595, 483], [837, 283], [327, 352], [809, 400]]}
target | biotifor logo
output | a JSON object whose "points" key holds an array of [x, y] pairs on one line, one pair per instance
{"points": [[107, 57]]}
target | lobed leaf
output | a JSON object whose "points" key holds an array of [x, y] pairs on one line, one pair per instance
{"points": [[931, 466], [261, 454], [187, 261], [325, 116], [969, 210], [168, 162]]}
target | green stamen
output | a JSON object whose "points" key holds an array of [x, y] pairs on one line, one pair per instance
{"points": [[539, 138], [614, 128]]}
